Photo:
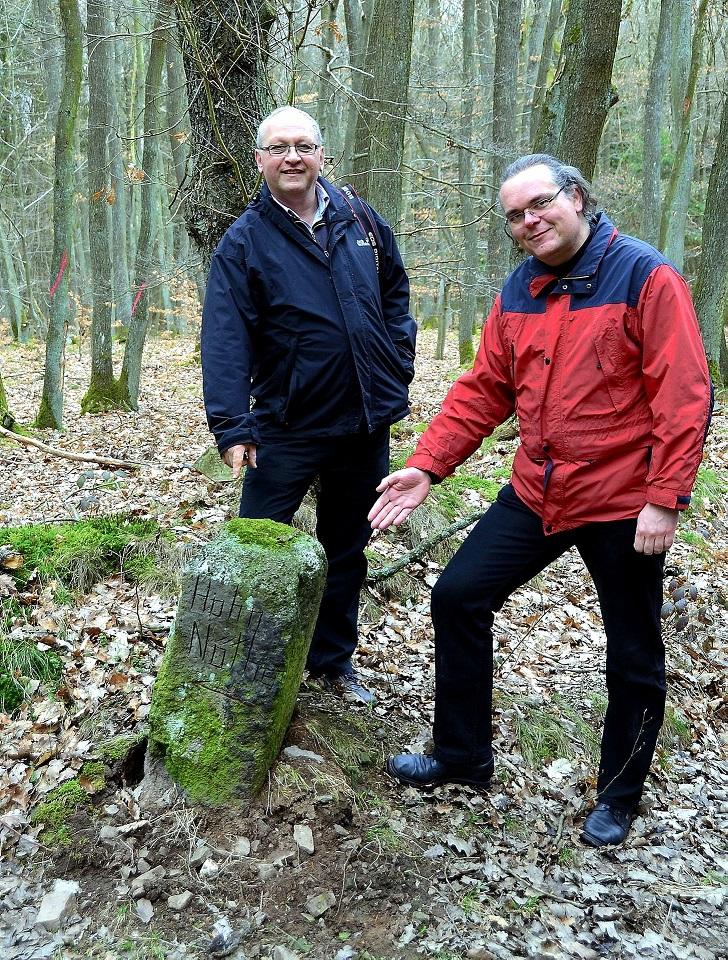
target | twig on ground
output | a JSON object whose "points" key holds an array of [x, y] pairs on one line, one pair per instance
{"points": [[82, 457], [382, 573]]}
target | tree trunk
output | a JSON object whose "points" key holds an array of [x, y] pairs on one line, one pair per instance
{"points": [[711, 285], [379, 143], [469, 275], [50, 413], [677, 195], [121, 201], [13, 303], [547, 51], [225, 49], [357, 29], [576, 106], [143, 273], [652, 161], [102, 390], [505, 82]]}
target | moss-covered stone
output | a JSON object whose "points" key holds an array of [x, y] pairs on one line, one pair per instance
{"points": [[228, 682], [212, 466]]}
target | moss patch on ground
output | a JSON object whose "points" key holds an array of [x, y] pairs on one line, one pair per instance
{"points": [[79, 554], [55, 812]]}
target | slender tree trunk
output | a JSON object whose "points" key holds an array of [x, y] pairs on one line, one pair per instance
{"points": [[357, 29], [577, 104], [544, 62], [652, 161], [131, 367], [534, 49], [50, 413], [677, 195], [121, 201], [379, 144], [468, 282], [505, 82], [13, 302], [711, 285], [102, 391]]}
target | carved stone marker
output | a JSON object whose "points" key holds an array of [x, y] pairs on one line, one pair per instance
{"points": [[230, 675]]}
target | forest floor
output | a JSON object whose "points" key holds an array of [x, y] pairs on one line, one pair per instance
{"points": [[393, 873]]}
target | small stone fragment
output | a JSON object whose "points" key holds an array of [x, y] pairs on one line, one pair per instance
{"points": [[296, 753], [266, 871], [319, 904], [283, 953], [57, 905], [108, 833], [199, 855], [241, 847], [180, 901], [210, 868], [144, 910], [346, 953], [146, 881], [303, 837]]}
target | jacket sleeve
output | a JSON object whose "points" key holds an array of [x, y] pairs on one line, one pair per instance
{"points": [[395, 293], [227, 358], [677, 384], [475, 405]]}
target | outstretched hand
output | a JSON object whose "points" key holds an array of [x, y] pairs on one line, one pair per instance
{"points": [[402, 492], [238, 456], [655, 529]]}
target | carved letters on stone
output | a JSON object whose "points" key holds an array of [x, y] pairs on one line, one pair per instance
{"points": [[223, 630]]}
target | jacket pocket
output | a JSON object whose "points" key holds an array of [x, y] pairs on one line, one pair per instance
{"points": [[287, 389], [615, 367]]}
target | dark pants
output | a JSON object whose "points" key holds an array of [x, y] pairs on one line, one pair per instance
{"points": [[507, 548], [349, 469]]}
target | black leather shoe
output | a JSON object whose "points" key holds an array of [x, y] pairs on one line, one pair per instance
{"points": [[606, 826], [423, 771]]}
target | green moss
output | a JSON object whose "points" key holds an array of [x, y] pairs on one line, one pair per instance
{"points": [[55, 811], [188, 733], [263, 533], [104, 394], [119, 748], [464, 481], [95, 772], [78, 554], [398, 459]]}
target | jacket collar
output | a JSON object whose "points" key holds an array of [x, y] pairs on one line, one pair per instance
{"points": [[583, 277]]}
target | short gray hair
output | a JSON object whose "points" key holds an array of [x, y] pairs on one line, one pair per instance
{"points": [[315, 129], [564, 176]]}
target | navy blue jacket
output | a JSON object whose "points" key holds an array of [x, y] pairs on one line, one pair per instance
{"points": [[322, 343]]}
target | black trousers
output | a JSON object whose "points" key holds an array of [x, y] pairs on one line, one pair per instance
{"points": [[505, 550], [349, 469]]}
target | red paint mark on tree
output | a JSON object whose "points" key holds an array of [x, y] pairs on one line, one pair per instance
{"points": [[59, 276], [138, 297]]}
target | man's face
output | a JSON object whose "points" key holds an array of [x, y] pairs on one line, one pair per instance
{"points": [[553, 234], [290, 177]]}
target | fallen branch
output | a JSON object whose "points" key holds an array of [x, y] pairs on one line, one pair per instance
{"points": [[82, 457], [382, 573]]}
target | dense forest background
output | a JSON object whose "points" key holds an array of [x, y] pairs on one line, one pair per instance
{"points": [[127, 129]]}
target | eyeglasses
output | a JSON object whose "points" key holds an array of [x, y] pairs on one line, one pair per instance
{"points": [[281, 149], [517, 218]]}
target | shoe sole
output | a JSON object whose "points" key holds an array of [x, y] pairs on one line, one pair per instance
{"points": [[431, 784]]}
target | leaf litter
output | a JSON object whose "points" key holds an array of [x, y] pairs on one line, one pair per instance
{"points": [[384, 872]]}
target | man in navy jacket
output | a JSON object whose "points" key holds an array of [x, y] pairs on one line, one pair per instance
{"points": [[307, 351]]}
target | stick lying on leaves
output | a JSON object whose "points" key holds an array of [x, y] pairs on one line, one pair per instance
{"points": [[83, 457], [381, 573]]}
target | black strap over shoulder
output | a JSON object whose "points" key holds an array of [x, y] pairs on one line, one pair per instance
{"points": [[356, 203]]}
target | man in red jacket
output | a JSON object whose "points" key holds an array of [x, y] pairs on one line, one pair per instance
{"points": [[594, 344]]}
